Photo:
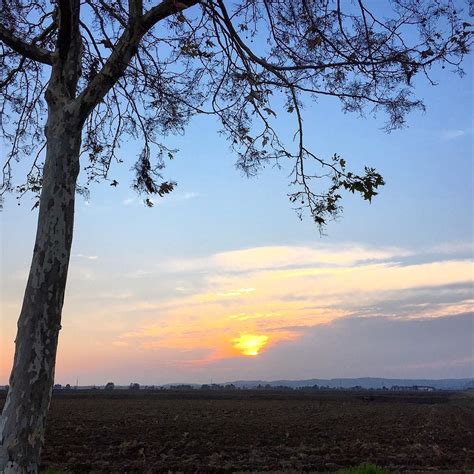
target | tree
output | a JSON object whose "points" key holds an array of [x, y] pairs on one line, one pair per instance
{"points": [[78, 76]]}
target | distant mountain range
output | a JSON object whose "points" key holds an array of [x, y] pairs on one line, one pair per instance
{"points": [[364, 382]]}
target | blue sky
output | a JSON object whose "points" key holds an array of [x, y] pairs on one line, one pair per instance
{"points": [[164, 294]]}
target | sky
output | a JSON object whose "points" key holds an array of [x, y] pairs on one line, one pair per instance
{"points": [[221, 281]]}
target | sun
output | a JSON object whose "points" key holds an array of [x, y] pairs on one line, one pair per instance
{"points": [[250, 344]]}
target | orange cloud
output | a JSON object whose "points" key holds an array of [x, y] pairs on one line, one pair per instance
{"points": [[249, 298], [239, 303]]}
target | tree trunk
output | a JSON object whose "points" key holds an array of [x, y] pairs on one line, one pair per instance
{"points": [[22, 423]]}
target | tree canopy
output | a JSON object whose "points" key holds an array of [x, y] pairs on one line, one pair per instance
{"points": [[146, 67]]}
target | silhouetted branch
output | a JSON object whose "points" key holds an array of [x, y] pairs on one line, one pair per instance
{"points": [[136, 79], [25, 49]]}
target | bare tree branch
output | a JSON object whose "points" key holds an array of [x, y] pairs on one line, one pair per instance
{"points": [[25, 49], [165, 9], [124, 50], [229, 60]]}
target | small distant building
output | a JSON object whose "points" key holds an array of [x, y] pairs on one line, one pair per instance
{"points": [[424, 388], [412, 388]]}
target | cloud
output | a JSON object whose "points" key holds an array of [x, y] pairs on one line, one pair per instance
{"points": [[188, 313], [87, 257], [378, 347], [129, 201], [280, 257], [280, 291], [189, 195], [237, 292], [453, 248], [116, 295], [453, 134]]}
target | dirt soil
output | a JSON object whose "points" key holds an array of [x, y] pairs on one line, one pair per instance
{"points": [[198, 431]]}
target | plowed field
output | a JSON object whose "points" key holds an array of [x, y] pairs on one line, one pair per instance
{"points": [[199, 431]]}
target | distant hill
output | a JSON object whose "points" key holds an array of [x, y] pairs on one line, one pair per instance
{"points": [[364, 382], [345, 383]]}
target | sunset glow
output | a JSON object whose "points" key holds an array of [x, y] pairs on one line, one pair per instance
{"points": [[222, 280], [237, 303], [250, 344]]}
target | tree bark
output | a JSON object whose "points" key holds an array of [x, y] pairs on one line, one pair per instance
{"points": [[22, 423]]}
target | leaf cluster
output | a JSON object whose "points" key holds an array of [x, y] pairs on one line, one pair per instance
{"points": [[148, 67]]}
